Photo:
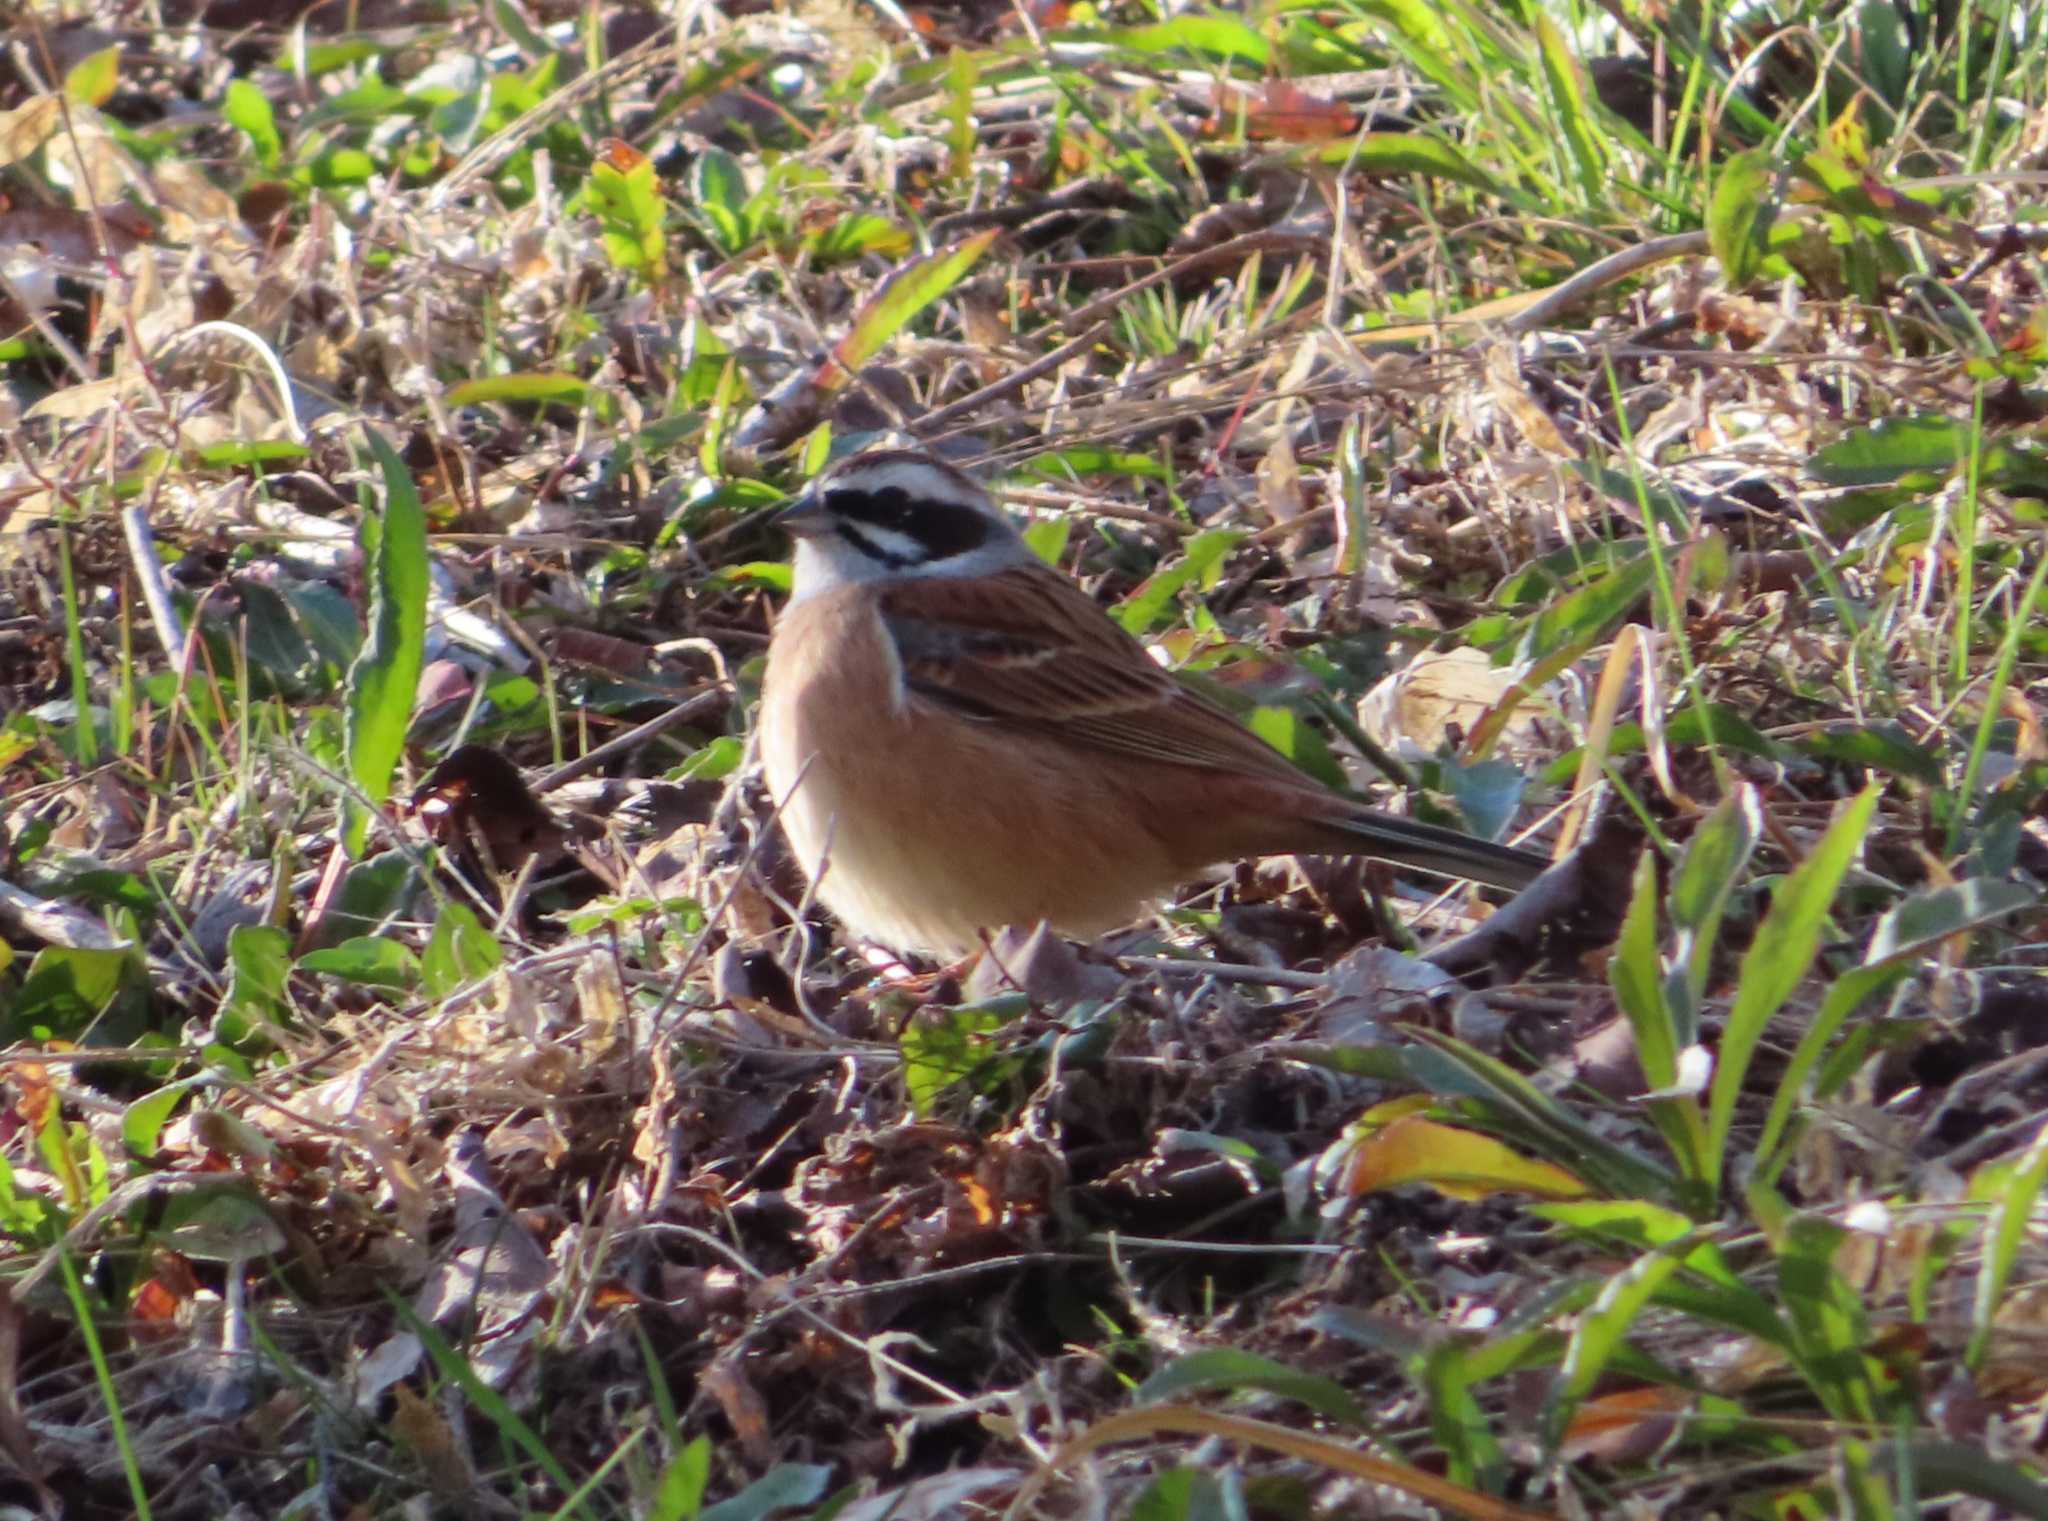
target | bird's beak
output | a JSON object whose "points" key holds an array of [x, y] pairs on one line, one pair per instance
{"points": [[804, 518]]}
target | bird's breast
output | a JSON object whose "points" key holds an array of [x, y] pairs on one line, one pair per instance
{"points": [[922, 826]]}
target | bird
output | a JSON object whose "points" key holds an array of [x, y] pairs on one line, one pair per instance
{"points": [[957, 738]]}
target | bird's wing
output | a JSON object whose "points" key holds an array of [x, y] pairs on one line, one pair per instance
{"points": [[1028, 648]]}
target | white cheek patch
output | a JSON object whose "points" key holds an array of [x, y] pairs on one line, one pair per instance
{"points": [[892, 547], [832, 560]]}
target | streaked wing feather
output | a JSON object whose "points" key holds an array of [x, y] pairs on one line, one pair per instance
{"points": [[1028, 649]]}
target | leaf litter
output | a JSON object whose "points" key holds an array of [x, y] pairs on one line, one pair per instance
{"points": [[533, 1143]]}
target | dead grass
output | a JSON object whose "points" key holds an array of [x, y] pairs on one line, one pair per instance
{"points": [[433, 1095]]}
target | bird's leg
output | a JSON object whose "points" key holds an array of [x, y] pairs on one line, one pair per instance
{"points": [[899, 977]]}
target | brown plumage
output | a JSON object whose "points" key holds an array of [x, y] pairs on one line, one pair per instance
{"points": [[965, 740]]}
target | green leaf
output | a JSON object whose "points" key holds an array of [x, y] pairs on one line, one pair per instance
{"points": [[1584, 617], [1636, 973], [1711, 1289], [909, 289], [1829, 1327], [259, 964], [1714, 861], [22, 1214], [1884, 49], [386, 675], [455, 121], [1966, 1468], [371, 893], [1636, 494], [716, 179], [93, 79], [1916, 926], [773, 574], [459, 951], [1228, 1368], [679, 1496], [1878, 747], [1286, 731], [1389, 153], [1777, 961], [630, 214], [1047, 538], [783, 1486], [1693, 724], [1599, 1332], [1200, 559], [113, 889], [856, 234], [343, 167], [222, 1221], [1849, 993], [1521, 1112], [1209, 35], [2004, 1234], [272, 635], [1565, 86], [528, 386], [142, 1122], [1184, 1494], [1928, 443], [242, 453], [942, 1047], [326, 617], [1739, 216], [247, 108], [510, 19], [1062, 465], [1487, 793], [66, 989], [728, 231], [1662, 1013], [366, 959], [714, 762]]}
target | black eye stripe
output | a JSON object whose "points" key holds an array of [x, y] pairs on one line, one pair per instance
{"points": [[943, 529]]}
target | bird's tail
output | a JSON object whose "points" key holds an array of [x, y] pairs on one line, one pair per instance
{"points": [[1431, 847]]}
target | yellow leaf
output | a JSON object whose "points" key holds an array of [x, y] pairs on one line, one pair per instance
{"points": [[92, 79], [1460, 1163]]}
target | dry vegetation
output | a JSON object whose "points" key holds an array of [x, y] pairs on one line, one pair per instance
{"points": [[426, 1090]]}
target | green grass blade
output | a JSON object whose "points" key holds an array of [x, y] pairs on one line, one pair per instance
{"points": [[2023, 619], [1600, 1331], [2004, 1234], [1637, 976], [1778, 959], [1501, 1097], [1565, 81], [386, 675], [1961, 1468], [488, 1401], [103, 1376], [1228, 1368], [1848, 995], [1714, 861], [1739, 216], [1829, 1327], [902, 296], [85, 741]]}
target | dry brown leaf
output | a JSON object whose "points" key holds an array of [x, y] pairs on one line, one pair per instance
{"points": [[1504, 383], [424, 1432], [1628, 1426], [28, 126]]}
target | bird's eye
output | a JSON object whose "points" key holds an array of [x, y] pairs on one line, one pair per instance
{"points": [[895, 504]]}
